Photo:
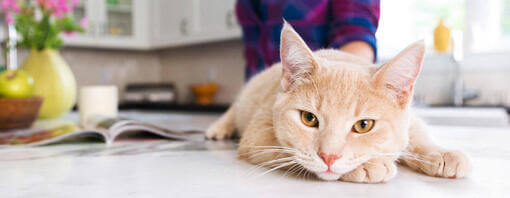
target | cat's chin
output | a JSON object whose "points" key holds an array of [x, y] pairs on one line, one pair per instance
{"points": [[328, 176]]}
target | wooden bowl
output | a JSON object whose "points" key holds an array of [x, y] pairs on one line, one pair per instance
{"points": [[16, 113]]}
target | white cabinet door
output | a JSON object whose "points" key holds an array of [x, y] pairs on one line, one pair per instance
{"points": [[113, 24], [195, 21], [122, 24], [217, 19], [172, 22]]}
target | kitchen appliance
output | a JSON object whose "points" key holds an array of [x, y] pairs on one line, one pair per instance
{"points": [[150, 93]]}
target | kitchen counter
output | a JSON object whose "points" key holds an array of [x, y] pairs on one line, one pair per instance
{"points": [[161, 168]]}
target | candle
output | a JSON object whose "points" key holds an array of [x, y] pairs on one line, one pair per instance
{"points": [[97, 101]]}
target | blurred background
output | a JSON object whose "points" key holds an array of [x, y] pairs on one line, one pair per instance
{"points": [[156, 50]]}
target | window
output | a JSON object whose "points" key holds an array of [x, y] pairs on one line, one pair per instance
{"points": [[483, 25]]}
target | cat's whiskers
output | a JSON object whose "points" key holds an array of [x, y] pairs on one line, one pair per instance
{"points": [[295, 161], [300, 171], [277, 167], [296, 170], [256, 153], [276, 163], [259, 149], [270, 163], [291, 170]]}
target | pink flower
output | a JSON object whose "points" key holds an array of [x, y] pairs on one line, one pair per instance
{"points": [[70, 34], [8, 18], [61, 8], [10, 5], [84, 22], [47, 4]]}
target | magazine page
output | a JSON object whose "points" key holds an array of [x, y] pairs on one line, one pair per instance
{"points": [[47, 133], [131, 126]]}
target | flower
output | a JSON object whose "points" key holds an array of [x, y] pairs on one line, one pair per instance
{"points": [[9, 6], [58, 8], [84, 22], [69, 34], [8, 18], [46, 4], [61, 8], [42, 22]]}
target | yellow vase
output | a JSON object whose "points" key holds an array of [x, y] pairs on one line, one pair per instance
{"points": [[53, 81]]}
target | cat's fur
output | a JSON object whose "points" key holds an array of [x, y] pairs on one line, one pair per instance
{"points": [[339, 89]]}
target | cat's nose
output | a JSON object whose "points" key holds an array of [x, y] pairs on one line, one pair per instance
{"points": [[329, 159]]}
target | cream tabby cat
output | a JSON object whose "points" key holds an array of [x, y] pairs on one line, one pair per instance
{"points": [[337, 116]]}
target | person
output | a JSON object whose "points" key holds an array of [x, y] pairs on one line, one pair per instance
{"points": [[347, 25]]}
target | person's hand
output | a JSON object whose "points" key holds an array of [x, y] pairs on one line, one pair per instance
{"points": [[359, 48]]}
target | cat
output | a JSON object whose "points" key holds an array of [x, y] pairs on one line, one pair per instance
{"points": [[337, 116]]}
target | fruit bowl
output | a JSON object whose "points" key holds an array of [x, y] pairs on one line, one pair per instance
{"points": [[16, 113]]}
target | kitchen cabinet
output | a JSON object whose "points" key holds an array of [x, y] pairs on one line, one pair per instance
{"points": [[145, 25]]}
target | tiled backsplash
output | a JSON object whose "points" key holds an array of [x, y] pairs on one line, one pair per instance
{"points": [[224, 63], [183, 66]]}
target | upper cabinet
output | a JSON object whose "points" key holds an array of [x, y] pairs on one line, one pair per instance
{"points": [[143, 24]]}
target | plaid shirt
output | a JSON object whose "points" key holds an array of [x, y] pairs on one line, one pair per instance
{"points": [[321, 23]]}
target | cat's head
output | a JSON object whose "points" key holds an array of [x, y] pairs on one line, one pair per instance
{"points": [[337, 111]]}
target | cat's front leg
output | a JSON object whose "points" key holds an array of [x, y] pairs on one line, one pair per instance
{"points": [[450, 164], [222, 128], [424, 156], [376, 170]]}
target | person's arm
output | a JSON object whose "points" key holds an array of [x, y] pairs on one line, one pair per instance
{"points": [[353, 27], [359, 48]]}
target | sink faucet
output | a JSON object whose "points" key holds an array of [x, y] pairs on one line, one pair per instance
{"points": [[460, 95]]}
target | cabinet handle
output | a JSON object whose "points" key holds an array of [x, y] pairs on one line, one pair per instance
{"points": [[103, 29], [184, 26], [230, 19]]}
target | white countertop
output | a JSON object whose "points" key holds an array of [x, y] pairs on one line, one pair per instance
{"points": [[210, 169]]}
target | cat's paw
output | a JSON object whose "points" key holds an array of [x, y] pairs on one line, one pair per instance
{"points": [[450, 164], [219, 131], [373, 171]]}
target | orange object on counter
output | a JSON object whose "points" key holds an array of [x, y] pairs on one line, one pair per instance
{"points": [[204, 93]]}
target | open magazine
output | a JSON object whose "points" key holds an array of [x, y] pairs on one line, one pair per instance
{"points": [[105, 129]]}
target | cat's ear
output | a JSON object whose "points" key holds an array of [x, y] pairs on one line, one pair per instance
{"points": [[297, 59], [401, 72]]}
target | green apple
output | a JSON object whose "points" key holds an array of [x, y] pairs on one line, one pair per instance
{"points": [[15, 84]]}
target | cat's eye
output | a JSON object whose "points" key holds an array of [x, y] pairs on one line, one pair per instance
{"points": [[309, 119], [363, 126]]}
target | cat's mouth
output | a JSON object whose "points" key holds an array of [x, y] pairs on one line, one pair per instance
{"points": [[334, 172], [328, 175]]}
